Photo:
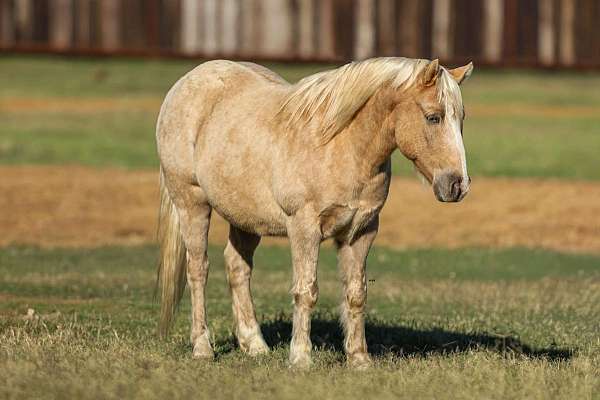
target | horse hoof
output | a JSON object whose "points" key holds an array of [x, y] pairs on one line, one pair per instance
{"points": [[301, 362], [257, 347], [360, 361], [203, 351]]}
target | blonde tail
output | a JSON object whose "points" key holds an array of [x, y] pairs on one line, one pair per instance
{"points": [[171, 274]]}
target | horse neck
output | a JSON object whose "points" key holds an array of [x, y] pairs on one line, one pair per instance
{"points": [[370, 135]]}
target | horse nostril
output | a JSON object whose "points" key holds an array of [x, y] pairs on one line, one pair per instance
{"points": [[455, 191]]}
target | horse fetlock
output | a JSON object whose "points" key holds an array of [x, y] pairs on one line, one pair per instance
{"points": [[300, 349]]}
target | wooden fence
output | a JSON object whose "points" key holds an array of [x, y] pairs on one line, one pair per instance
{"points": [[553, 33]]}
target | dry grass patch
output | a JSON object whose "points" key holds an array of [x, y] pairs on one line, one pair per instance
{"points": [[78, 206]]}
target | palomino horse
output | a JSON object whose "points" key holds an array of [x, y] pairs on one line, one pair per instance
{"points": [[309, 161]]}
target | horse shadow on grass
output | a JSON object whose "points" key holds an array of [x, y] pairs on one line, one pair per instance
{"points": [[384, 339]]}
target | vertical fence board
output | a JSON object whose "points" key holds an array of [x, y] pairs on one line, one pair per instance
{"points": [[190, 28], [7, 24], [364, 43], [170, 24], [110, 27], [306, 28], [584, 30], [546, 32], [596, 36], [24, 20], [493, 23], [567, 32], [467, 40], [151, 11], [41, 19], [386, 27], [510, 32], [230, 26], [527, 36], [426, 28], [442, 29], [82, 22], [276, 28], [209, 27], [409, 36], [249, 32], [61, 23], [343, 23], [133, 35], [95, 29], [326, 43]]}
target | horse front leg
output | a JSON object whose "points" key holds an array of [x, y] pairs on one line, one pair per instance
{"points": [[352, 259], [305, 241]]}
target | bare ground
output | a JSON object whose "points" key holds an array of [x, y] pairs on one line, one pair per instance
{"points": [[79, 206]]}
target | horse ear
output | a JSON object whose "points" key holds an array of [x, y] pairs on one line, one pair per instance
{"points": [[461, 74], [430, 73]]}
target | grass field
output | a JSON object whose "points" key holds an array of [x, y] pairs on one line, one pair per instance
{"points": [[470, 323], [518, 124], [465, 323]]}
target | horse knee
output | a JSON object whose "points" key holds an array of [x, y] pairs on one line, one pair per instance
{"points": [[356, 296], [306, 296]]}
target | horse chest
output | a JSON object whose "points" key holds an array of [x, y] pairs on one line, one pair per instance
{"points": [[345, 221]]}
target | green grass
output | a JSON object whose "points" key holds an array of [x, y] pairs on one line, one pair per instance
{"points": [[104, 139], [540, 145], [469, 323]]}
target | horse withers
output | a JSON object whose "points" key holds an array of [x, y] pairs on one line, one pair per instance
{"points": [[309, 161]]}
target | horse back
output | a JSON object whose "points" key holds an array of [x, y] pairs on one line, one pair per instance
{"points": [[191, 102]]}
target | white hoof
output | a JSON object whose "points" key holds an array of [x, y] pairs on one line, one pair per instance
{"points": [[202, 348], [300, 361], [254, 347], [360, 361]]}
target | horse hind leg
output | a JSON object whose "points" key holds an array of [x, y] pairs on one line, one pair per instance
{"points": [[194, 219], [238, 261]]}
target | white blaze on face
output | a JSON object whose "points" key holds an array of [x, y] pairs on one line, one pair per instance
{"points": [[451, 96], [458, 142]]}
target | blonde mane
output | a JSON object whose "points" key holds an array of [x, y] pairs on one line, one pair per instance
{"points": [[338, 94]]}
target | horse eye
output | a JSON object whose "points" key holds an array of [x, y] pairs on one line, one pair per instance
{"points": [[433, 119]]}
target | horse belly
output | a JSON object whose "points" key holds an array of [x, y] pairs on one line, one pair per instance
{"points": [[243, 201], [250, 219]]}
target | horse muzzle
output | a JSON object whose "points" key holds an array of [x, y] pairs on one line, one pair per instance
{"points": [[450, 187]]}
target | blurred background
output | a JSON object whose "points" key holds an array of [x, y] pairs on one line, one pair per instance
{"points": [[490, 32], [455, 290], [82, 81]]}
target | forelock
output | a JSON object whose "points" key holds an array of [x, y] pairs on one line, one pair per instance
{"points": [[449, 95]]}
